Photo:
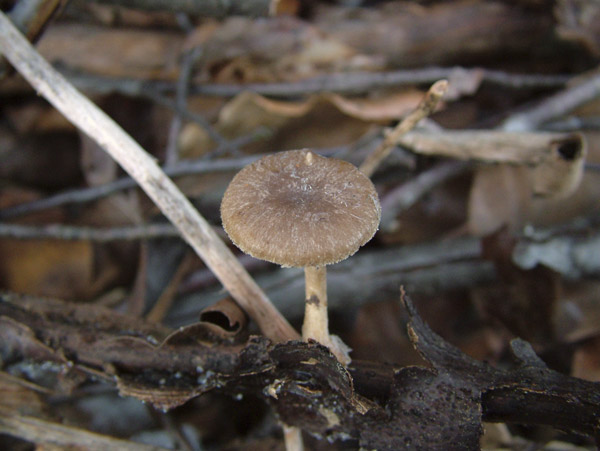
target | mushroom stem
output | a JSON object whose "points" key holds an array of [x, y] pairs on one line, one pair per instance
{"points": [[315, 316], [293, 438], [316, 323]]}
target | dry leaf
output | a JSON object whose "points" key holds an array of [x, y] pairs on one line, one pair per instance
{"points": [[556, 159], [281, 7], [313, 123], [389, 107], [500, 196], [225, 320], [324, 120]]}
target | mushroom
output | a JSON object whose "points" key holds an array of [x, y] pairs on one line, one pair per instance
{"points": [[299, 209]]}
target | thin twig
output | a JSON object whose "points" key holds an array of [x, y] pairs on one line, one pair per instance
{"points": [[206, 8], [142, 167], [424, 109], [555, 106], [164, 302], [74, 233], [341, 83]]}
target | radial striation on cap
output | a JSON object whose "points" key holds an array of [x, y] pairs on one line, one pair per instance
{"points": [[297, 208]]}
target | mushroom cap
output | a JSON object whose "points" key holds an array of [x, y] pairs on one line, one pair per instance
{"points": [[297, 208]]}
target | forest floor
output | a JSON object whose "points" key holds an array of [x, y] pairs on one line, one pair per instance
{"points": [[473, 314]]}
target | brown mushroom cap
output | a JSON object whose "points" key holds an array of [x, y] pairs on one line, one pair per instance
{"points": [[297, 208]]}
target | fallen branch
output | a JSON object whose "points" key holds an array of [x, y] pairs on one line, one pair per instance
{"points": [[423, 407], [174, 205]]}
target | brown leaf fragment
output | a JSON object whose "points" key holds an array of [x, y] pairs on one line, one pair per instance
{"points": [[241, 49], [222, 323], [555, 161], [500, 197], [392, 106]]}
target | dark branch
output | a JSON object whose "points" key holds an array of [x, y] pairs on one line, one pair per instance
{"points": [[307, 387]]}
